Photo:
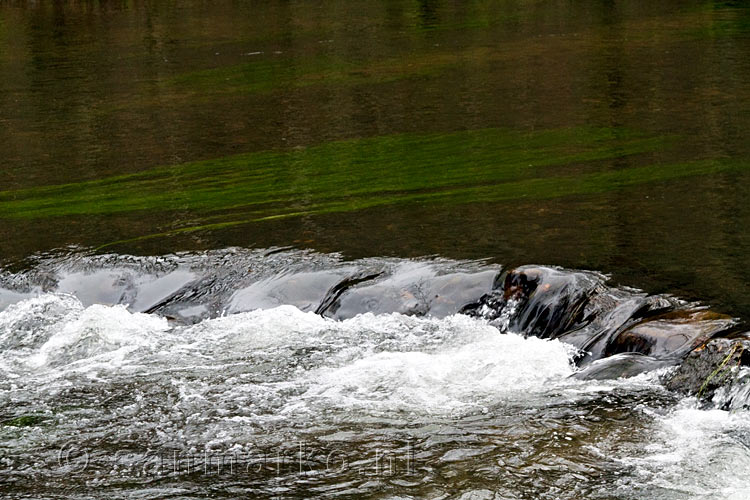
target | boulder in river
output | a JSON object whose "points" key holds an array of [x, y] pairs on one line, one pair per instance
{"points": [[717, 363], [672, 334], [640, 332]]}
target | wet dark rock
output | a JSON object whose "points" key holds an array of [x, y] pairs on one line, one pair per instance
{"points": [[537, 301], [635, 332], [672, 334], [609, 312], [617, 331], [712, 365]]}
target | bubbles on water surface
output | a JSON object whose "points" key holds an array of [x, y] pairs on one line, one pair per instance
{"points": [[299, 404]]}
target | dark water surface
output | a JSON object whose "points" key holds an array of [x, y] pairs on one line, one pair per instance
{"points": [[602, 135]]}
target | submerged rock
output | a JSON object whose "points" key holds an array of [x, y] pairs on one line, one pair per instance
{"points": [[26, 421], [417, 290], [627, 364], [616, 331], [303, 290]]}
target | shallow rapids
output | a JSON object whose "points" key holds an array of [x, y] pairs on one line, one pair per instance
{"points": [[213, 375]]}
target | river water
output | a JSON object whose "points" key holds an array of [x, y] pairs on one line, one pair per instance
{"points": [[211, 374], [182, 183]]}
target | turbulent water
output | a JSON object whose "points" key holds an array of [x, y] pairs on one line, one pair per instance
{"points": [[237, 373]]}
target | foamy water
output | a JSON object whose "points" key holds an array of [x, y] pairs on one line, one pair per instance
{"points": [[300, 405]]}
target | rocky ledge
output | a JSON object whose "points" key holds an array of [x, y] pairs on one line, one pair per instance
{"points": [[621, 332], [617, 331], [718, 365]]}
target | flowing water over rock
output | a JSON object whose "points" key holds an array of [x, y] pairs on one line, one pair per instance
{"points": [[608, 136], [295, 374]]}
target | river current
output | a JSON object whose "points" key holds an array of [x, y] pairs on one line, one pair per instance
{"points": [[210, 374]]}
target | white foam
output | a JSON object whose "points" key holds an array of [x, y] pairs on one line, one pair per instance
{"points": [[736, 395], [384, 363], [109, 331], [53, 331], [487, 370], [227, 379], [694, 453]]}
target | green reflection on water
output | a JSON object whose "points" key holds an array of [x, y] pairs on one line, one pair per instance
{"points": [[537, 188], [268, 75], [346, 175], [486, 165], [735, 27]]}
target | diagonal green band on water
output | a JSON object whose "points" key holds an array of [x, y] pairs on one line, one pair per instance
{"points": [[335, 172], [458, 167]]}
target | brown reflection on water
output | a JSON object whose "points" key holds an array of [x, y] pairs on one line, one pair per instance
{"points": [[87, 90]]}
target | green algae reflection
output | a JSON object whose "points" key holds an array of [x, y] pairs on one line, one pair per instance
{"points": [[343, 176]]}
